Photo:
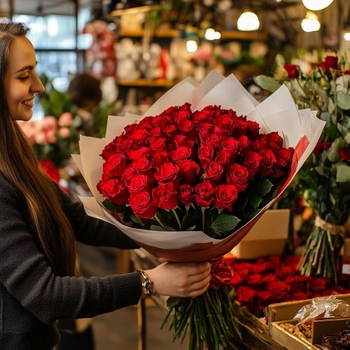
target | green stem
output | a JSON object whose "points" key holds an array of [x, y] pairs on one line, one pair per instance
{"points": [[177, 219], [203, 219], [158, 219]]}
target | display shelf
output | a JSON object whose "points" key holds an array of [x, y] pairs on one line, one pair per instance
{"points": [[173, 33], [147, 83]]}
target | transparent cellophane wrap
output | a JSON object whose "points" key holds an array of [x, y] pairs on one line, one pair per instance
{"points": [[300, 129]]}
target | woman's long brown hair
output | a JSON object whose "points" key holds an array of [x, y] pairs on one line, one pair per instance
{"points": [[19, 165]]}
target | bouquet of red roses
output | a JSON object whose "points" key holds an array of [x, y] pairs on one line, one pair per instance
{"points": [[189, 179]]}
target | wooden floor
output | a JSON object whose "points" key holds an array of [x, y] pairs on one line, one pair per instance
{"points": [[119, 330]]}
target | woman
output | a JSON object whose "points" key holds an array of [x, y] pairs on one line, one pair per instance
{"points": [[39, 225]]}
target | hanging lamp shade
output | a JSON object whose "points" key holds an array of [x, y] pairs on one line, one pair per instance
{"points": [[248, 21], [310, 23], [316, 5]]}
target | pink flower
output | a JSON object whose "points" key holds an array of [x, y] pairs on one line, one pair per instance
{"points": [[66, 119]]}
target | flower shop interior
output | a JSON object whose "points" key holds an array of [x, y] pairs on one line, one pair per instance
{"points": [[289, 274]]}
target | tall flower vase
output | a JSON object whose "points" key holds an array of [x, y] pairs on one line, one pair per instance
{"points": [[321, 256]]}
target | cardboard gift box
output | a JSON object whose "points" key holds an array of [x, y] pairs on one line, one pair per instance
{"points": [[281, 313], [267, 238]]}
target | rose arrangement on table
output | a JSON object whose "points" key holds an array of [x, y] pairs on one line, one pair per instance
{"points": [[325, 176], [264, 281], [185, 185]]}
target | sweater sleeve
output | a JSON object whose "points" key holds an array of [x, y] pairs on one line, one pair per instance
{"points": [[28, 278], [93, 231]]}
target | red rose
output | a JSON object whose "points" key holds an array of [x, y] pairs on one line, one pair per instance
{"points": [[182, 114], [138, 183], [292, 70], [108, 151], [180, 153], [188, 171], [114, 190], [223, 124], [278, 289], [245, 294], [318, 284], [236, 281], [135, 154], [141, 205], [115, 165], [170, 130], [253, 279], [267, 161], [204, 194], [213, 172], [237, 175], [265, 297], [231, 147], [252, 129], [138, 136], [213, 141], [129, 173], [205, 154], [143, 164], [158, 144], [274, 137], [240, 128], [165, 196], [186, 194], [344, 153], [252, 162], [225, 196], [166, 172], [331, 63]]}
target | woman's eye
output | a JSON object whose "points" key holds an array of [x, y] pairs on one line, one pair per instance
{"points": [[24, 78]]}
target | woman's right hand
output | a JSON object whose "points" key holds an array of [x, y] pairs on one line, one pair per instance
{"points": [[180, 279]]}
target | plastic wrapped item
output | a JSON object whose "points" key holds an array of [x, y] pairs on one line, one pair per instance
{"points": [[323, 308]]}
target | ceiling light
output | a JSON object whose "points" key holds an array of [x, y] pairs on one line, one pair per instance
{"points": [[316, 5], [248, 21], [310, 23]]}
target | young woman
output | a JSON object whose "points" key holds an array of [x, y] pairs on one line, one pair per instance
{"points": [[39, 225]]}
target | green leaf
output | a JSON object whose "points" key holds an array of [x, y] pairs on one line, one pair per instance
{"points": [[262, 187], [225, 223], [343, 173], [343, 100], [267, 83], [255, 200], [189, 222]]}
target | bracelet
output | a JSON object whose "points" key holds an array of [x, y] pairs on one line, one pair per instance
{"points": [[147, 285]]}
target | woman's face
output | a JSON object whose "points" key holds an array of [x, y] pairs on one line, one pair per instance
{"points": [[21, 82]]}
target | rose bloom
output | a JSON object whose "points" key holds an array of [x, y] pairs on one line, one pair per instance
{"points": [[245, 295], [165, 196], [344, 153], [65, 119], [213, 172], [186, 196], [204, 194], [115, 190], [141, 204], [64, 133], [225, 196], [292, 70], [238, 175], [166, 172]]}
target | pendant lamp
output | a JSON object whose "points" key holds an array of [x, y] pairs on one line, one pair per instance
{"points": [[316, 5], [248, 21]]}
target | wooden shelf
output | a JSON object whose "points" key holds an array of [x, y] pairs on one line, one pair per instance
{"points": [[173, 33], [147, 83]]}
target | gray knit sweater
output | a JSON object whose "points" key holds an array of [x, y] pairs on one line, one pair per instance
{"points": [[32, 297]]}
